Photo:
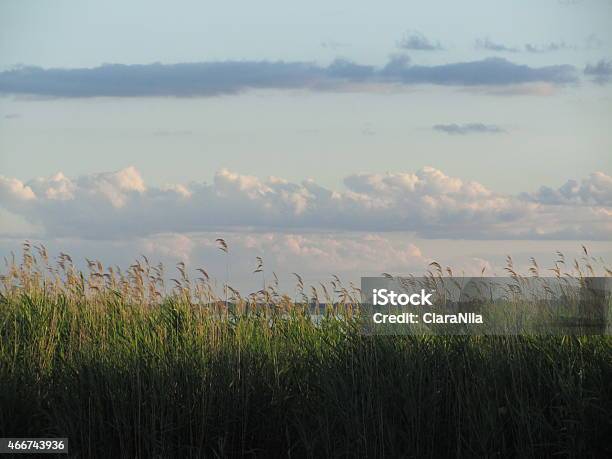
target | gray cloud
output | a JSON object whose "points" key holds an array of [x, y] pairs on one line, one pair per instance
{"points": [[333, 44], [595, 190], [486, 43], [601, 72], [119, 205], [415, 40], [530, 48], [469, 128], [193, 79], [492, 71], [218, 78]]}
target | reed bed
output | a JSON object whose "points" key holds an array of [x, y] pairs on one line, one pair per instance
{"points": [[127, 366]]}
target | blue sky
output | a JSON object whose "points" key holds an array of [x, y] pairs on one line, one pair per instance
{"points": [[88, 33], [488, 121]]}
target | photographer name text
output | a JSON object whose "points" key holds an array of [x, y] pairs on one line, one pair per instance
{"points": [[384, 297]]}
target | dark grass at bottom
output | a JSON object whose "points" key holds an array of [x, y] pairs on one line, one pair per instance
{"points": [[151, 384]]}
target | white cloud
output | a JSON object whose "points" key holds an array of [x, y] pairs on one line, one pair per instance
{"points": [[179, 189], [57, 187], [14, 191], [176, 247], [341, 252], [316, 256], [114, 186], [427, 202]]}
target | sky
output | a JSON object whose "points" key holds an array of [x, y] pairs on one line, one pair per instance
{"points": [[345, 137]]}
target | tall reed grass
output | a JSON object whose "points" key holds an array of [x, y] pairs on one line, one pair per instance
{"points": [[125, 366]]}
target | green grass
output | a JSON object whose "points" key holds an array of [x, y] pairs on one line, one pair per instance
{"points": [[123, 370], [123, 380]]}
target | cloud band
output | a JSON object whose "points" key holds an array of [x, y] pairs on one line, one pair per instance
{"points": [[230, 77], [428, 202]]}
